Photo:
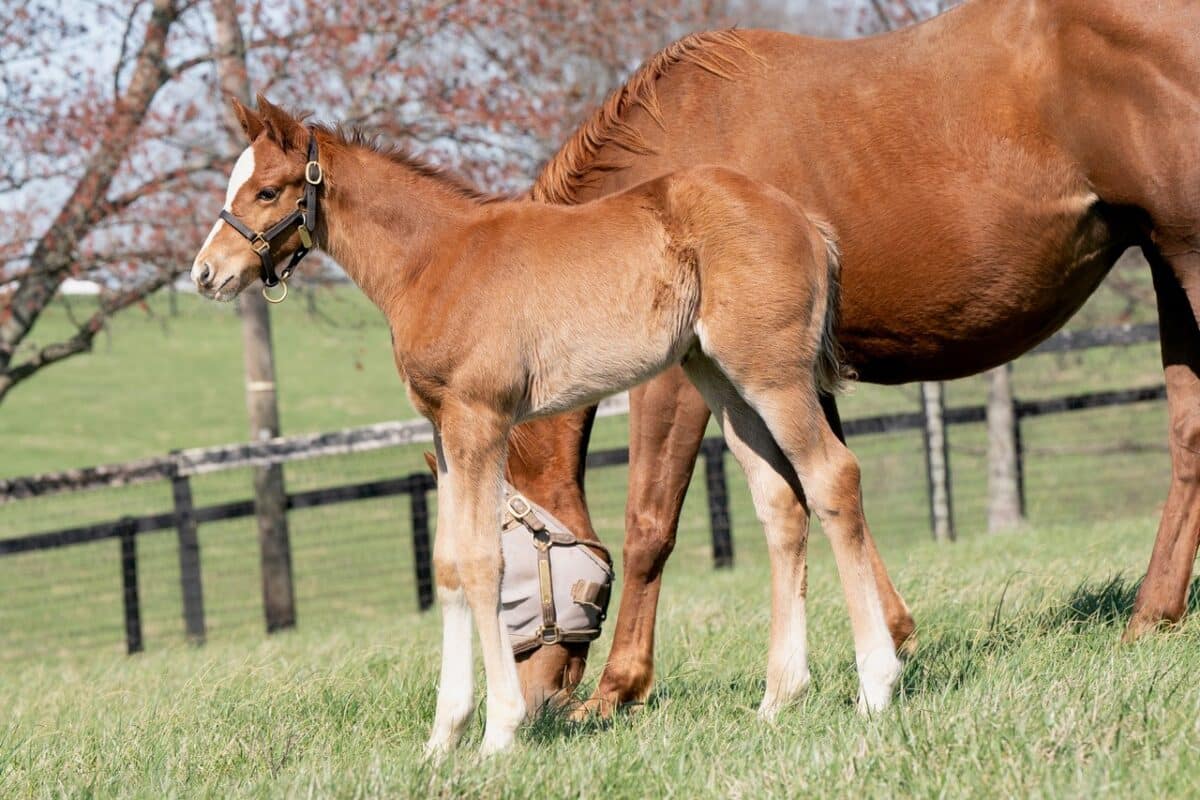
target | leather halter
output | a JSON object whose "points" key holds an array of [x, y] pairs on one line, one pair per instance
{"points": [[304, 218]]}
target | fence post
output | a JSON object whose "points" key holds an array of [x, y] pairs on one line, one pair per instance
{"points": [[422, 562], [191, 587], [718, 501], [937, 462], [1006, 501], [129, 586]]}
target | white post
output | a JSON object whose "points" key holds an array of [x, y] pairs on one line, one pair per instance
{"points": [[937, 462], [1006, 507]]}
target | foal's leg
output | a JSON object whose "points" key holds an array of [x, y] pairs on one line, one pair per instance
{"points": [[895, 610], [779, 503], [831, 479], [474, 451], [786, 399], [456, 690]]}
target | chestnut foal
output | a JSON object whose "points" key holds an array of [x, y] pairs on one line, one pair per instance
{"points": [[507, 310]]}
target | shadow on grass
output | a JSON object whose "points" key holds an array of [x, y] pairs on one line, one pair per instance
{"points": [[1106, 602], [949, 657]]}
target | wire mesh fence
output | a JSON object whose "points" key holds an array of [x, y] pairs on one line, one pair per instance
{"points": [[364, 559]]}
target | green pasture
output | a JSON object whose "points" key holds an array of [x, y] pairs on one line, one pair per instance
{"points": [[1018, 686]]}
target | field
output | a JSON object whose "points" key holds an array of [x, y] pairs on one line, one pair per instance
{"points": [[1018, 686]]}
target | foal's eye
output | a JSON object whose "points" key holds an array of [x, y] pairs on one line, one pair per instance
{"points": [[268, 194]]}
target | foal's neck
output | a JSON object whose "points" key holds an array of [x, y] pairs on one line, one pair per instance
{"points": [[383, 218]]}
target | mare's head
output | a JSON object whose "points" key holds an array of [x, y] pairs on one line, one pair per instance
{"points": [[266, 186]]}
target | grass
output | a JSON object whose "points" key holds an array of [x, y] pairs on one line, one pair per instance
{"points": [[1018, 688]]}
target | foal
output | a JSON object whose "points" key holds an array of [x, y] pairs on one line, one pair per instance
{"points": [[504, 310]]}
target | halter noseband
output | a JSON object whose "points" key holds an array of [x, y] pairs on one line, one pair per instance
{"points": [[304, 218]]}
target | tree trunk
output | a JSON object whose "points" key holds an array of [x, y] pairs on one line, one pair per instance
{"points": [[55, 252], [937, 462], [1006, 508], [270, 497]]}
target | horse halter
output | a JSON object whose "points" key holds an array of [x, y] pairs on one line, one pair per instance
{"points": [[304, 218]]}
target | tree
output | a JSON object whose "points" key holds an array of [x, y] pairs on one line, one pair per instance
{"points": [[111, 120], [876, 16], [79, 170]]}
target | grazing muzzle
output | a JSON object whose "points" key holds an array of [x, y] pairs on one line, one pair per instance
{"points": [[555, 587]]}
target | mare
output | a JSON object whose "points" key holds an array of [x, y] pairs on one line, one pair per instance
{"points": [[983, 171], [507, 310]]}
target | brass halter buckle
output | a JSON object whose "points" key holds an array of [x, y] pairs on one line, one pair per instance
{"points": [[259, 245], [549, 634], [313, 173], [266, 292], [518, 506]]}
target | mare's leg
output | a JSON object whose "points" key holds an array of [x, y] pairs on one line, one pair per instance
{"points": [[1163, 594], [474, 449], [779, 504], [895, 610], [667, 418], [456, 690]]}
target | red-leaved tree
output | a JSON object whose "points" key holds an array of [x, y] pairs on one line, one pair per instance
{"points": [[116, 153]]}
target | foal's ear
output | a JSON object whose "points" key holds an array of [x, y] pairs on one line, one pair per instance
{"points": [[252, 123], [431, 462], [284, 129]]}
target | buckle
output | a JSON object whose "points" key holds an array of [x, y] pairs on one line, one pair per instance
{"points": [[275, 300], [259, 245], [549, 635], [514, 510], [308, 173]]}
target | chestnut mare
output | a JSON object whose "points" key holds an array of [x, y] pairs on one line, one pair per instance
{"points": [[507, 310], [983, 171]]}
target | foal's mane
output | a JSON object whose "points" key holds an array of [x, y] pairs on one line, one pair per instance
{"points": [[356, 138], [576, 165]]}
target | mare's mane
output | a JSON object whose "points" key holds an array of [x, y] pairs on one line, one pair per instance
{"points": [[576, 164]]}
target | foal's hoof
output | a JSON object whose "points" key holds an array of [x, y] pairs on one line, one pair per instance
{"points": [[878, 674], [434, 752], [496, 741]]}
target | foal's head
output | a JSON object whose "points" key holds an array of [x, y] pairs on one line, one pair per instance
{"points": [[265, 187]]}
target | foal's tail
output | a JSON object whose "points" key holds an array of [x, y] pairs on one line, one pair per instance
{"points": [[831, 374]]}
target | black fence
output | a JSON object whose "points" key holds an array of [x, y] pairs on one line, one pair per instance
{"points": [[134, 532], [185, 518]]}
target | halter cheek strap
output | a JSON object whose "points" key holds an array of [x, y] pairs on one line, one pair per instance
{"points": [[304, 218]]}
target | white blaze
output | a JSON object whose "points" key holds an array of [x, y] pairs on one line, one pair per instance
{"points": [[242, 170]]}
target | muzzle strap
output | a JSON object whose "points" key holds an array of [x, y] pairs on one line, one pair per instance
{"points": [[587, 596]]}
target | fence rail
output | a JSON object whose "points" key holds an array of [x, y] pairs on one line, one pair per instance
{"points": [[178, 468]]}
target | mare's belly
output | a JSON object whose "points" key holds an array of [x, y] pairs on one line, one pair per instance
{"points": [[947, 310]]}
